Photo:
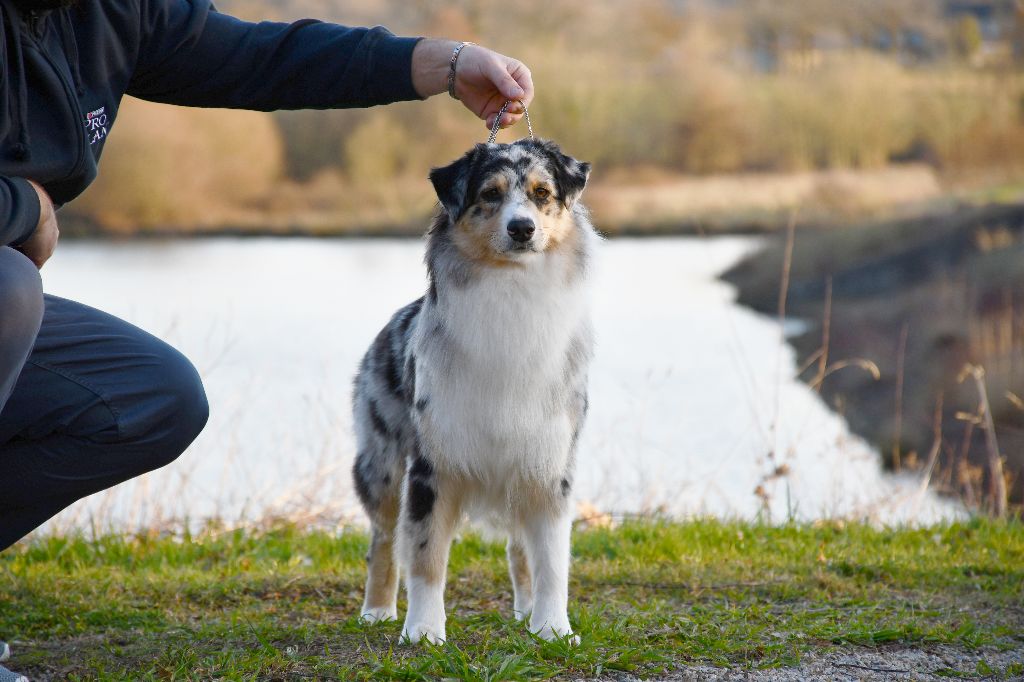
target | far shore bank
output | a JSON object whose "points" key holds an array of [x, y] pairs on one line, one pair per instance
{"points": [[923, 300], [638, 203], [76, 227], [675, 229]]}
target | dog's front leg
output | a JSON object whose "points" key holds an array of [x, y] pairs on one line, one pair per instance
{"points": [[430, 513], [547, 546]]}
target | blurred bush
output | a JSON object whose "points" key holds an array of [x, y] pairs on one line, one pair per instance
{"points": [[202, 167], [696, 88]]}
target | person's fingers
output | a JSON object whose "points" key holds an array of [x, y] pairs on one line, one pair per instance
{"points": [[513, 83], [507, 120], [523, 78], [513, 107], [499, 75]]}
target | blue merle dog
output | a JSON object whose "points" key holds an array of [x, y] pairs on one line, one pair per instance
{"points": [[470, 401]]}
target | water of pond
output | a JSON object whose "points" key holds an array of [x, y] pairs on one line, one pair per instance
{"points": [[693, 398]]}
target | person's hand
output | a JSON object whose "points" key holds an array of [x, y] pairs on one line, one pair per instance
{"points": [[42, 242], [484, 79]]}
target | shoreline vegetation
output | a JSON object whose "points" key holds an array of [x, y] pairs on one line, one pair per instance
{"points": [[649, 598]]}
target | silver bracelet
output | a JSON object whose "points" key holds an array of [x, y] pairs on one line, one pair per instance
{"points": [[451, 68]]}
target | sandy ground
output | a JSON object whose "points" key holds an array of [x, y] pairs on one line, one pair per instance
{"points": [[882, 665]]}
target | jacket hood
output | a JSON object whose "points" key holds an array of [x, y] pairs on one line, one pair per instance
{"points": [[14, 124]]}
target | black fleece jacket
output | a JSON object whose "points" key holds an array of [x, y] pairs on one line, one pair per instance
{"points": [[63, 74]]}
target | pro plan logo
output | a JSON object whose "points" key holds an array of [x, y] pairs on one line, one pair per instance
{"points": [[96, 125]]}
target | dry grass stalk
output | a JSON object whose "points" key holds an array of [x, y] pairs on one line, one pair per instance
{"points": [[933, 454], [866, 365], [761, 491], [826, 335], [898, 429], [787, 265], [965, 486], [997, 480]]}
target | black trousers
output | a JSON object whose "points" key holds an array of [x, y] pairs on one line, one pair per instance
{"points": [[86, 401]]}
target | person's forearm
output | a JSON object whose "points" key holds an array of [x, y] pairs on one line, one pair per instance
{"points": [[430, 65], [19, 210], [43, 239], [193, 56], [190, 54]]}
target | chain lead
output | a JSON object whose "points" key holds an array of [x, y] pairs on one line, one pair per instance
{"points": [[497, 121]]}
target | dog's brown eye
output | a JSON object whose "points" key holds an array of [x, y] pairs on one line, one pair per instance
{"points": [[542, 193], [490, 194]]}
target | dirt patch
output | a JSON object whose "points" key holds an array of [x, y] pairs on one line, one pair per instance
{"points": [[882, 665]]}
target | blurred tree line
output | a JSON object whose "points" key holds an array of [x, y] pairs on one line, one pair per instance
{"points": [[684, 86]]}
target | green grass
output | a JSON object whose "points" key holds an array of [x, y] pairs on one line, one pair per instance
{"points": [[645, 597]]}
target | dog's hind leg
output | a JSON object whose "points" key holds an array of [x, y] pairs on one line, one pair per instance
{"points": [[382, 569], [379, 489], [522, 584], [430, 513]]}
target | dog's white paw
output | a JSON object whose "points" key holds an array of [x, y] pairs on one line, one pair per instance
{"points": [[553, 628], [417, 632], [378, 614]]}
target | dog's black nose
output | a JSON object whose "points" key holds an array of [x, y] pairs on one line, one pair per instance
{"points": [[521, 229]]}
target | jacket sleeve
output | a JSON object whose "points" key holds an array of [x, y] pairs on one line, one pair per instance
{"points": [[192, 55], [19, 210]]}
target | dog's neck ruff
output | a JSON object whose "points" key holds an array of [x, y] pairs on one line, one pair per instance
{"points": [[525, 314]]}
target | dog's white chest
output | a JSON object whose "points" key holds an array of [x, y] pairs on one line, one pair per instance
{"points": [[497, 385]]}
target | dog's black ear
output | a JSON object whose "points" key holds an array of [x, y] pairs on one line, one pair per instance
{"points": [[451, 183], [570, 175]]}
